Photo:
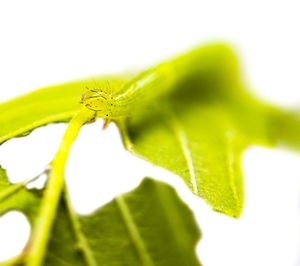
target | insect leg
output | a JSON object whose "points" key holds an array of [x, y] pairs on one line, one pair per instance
{"points": [[106, 123]]}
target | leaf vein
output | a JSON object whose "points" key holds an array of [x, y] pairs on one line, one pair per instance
{"points": [[183, 141], [133, 231]]}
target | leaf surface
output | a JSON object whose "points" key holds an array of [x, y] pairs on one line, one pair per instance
{"points": [[15, 197], [148, 226], [201, 128]]}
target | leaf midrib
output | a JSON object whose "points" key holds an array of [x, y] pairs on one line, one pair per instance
{"points": [[134, 232], [184, 145]]}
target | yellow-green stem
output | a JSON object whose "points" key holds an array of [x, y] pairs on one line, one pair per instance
{"points": [[43, 225]]}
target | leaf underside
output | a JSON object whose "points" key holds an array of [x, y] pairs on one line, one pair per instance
{"points": [[200, 130], [147, 226]]}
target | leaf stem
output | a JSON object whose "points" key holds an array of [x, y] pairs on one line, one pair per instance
{"points": [[42, 228]]}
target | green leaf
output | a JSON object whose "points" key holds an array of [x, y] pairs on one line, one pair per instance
{"points": [[15, 197], [59, 103], [148, 226], [200, 129]]}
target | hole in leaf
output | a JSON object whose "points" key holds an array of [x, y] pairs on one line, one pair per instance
{"points": [[38, 183], [26, 157], [14, 232], [99, 168]]}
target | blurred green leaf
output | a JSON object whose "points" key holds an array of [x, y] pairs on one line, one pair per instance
{"points": [[148, 226], [200, 129]]}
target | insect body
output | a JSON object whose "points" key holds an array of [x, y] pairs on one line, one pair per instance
{"points": [[146, 88], [133, 95], [99, 100]]}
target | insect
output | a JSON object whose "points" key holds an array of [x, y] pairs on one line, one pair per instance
{"points": [[131, 96], [145, 89], [98, 99]]}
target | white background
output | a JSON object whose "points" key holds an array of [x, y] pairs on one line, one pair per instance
{"points": [[43, 43]]}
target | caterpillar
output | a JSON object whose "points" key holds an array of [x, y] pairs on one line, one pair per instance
{"points": [[150, 85], [112, 105]]}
